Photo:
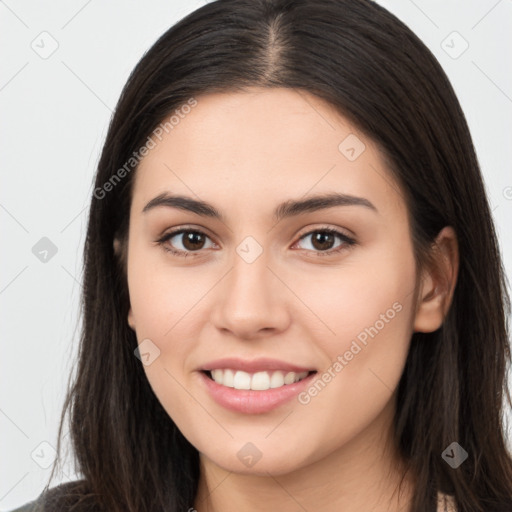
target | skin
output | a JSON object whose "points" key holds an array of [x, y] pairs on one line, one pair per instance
{"points": [[245, 153]]}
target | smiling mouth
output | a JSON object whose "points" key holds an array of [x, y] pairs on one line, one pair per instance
{"points": [[259, 381]]}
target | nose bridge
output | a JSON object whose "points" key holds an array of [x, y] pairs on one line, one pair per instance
{"points": [[251, 297], [250, 279]]}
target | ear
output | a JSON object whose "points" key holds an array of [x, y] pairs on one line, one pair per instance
{"points": [[131, 319], [119, 251], [438, 283], [117, 247]]}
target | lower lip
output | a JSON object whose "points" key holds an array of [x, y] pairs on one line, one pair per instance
{"points": [[250, 401]]}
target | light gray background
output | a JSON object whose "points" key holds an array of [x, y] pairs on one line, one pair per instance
{"points": [[55, 111]]}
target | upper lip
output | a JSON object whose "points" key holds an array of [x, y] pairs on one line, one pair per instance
{"points": [[254, 365]]}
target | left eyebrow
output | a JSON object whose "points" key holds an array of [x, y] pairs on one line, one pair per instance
{"points": [[286, 209], [320, 202]]}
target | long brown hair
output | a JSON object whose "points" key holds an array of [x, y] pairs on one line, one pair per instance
{"points": [[379, 75]]}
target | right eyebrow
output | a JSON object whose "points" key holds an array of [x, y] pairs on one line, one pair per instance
{"points": [[183, 203]]}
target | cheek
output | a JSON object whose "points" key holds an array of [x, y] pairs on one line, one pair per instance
{"points": [[161, 295], [165, 305], [368, 297], [370, 310]]}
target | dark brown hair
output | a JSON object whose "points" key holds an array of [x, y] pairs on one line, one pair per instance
{"points": [[379, 75]]}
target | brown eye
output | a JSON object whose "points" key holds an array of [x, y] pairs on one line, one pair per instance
{"points": [[323, 241], [185, 241], [192, 240]]}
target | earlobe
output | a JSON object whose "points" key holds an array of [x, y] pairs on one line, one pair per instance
{"points": [[119, 253], [117, 246], [438, 283], [131, 320]]}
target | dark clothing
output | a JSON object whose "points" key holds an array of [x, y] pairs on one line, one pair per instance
{"points": [[57, 498]]}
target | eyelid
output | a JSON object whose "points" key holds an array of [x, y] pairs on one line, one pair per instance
{"points": [[327, 227], [180, 229]]}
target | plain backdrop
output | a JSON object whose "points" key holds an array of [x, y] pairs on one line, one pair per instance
{"points": [[64, 64]]}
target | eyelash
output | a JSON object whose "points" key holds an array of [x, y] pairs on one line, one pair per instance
{"points": [[348, 242]]}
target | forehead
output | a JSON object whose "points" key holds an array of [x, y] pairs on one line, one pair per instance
{"points": [[264, 145]]}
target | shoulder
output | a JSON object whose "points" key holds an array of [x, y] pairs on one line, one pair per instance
{"points": [[32, 506], [60, 498]]}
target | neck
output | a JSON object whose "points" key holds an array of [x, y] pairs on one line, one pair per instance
{"points": [[363, 474]]}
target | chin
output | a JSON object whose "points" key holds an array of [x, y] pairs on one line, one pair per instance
{"points": [[249, 460]]}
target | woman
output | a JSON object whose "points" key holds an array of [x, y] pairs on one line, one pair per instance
{"points": [[330, 333]]}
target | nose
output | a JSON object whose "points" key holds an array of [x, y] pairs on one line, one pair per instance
{"points": [[252, 300]]}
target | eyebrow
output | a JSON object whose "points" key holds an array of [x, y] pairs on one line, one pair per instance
{"points": [[286, 209]]}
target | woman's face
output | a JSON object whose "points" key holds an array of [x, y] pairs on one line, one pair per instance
{"points": [[256, 277]]}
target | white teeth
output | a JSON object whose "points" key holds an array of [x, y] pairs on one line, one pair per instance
{"points": [[216, 375], [277, 380], [259, 381], [289, 378], [242, 380], [228, 377]]}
